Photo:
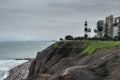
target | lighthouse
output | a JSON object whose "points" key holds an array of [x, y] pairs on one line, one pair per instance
{"points": [[85, 29]]}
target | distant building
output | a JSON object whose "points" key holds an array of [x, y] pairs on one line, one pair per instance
{"points": [[110, 20], [115, 28], [85, 29], [118, 20], [100, 25], [111, 26]]}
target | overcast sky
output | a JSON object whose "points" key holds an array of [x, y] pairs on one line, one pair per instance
{"points": [[51, 19]]}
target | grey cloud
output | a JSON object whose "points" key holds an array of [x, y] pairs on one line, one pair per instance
{"points": [[82, 6], [51, 19]]}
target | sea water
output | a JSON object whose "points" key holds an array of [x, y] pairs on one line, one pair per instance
{"points": [[17, 49], [6, 65]]}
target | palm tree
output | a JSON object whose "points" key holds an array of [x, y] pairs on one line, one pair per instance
{"points": [[89, 30]]}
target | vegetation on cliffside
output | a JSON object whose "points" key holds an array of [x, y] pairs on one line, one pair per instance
{"points": [[90, 46]]}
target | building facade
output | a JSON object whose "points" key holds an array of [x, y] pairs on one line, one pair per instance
{"points": [[111, 26], [100, 26], [109, 21]]}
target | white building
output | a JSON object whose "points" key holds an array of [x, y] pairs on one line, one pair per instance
{"points": [[115, 31]]}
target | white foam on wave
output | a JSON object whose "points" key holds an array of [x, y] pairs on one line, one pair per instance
{"points": [[3, 74], [6, 65], [4, 61]]}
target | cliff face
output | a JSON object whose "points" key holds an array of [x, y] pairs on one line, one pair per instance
{"points": [[63, 61]]}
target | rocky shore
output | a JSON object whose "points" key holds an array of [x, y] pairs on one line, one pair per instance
{"points": [[63, 61], [19, 72]]}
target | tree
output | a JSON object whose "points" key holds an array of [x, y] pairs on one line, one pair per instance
{"points": [[89, 30], [69, 37], [100, 28], [117, 38], [106, 37], [95, 30], [118, 34], [61, 39], [78, 38]]}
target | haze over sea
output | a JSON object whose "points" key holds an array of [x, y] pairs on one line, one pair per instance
{"points": [[18, 49]]}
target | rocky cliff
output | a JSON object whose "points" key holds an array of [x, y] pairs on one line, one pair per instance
{"points": [[63, 61]]}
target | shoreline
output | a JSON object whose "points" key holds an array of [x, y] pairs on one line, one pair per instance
{"points": [[20, 71], [29, 59]]}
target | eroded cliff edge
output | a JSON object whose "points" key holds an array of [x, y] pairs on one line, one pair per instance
{"points": [[63, 61]]}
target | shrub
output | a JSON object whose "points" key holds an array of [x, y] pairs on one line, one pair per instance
{"points": [[69, 37], [61, 39]]}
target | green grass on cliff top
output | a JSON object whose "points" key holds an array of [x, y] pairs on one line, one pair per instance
{"points": [[90, 46]]}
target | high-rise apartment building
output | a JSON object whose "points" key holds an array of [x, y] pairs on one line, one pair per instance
{"points": [[118, 19], [111, 26], [109, 21], [100, 26]]}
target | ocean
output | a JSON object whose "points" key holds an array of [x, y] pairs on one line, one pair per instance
{"points": [[18, 49]]}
